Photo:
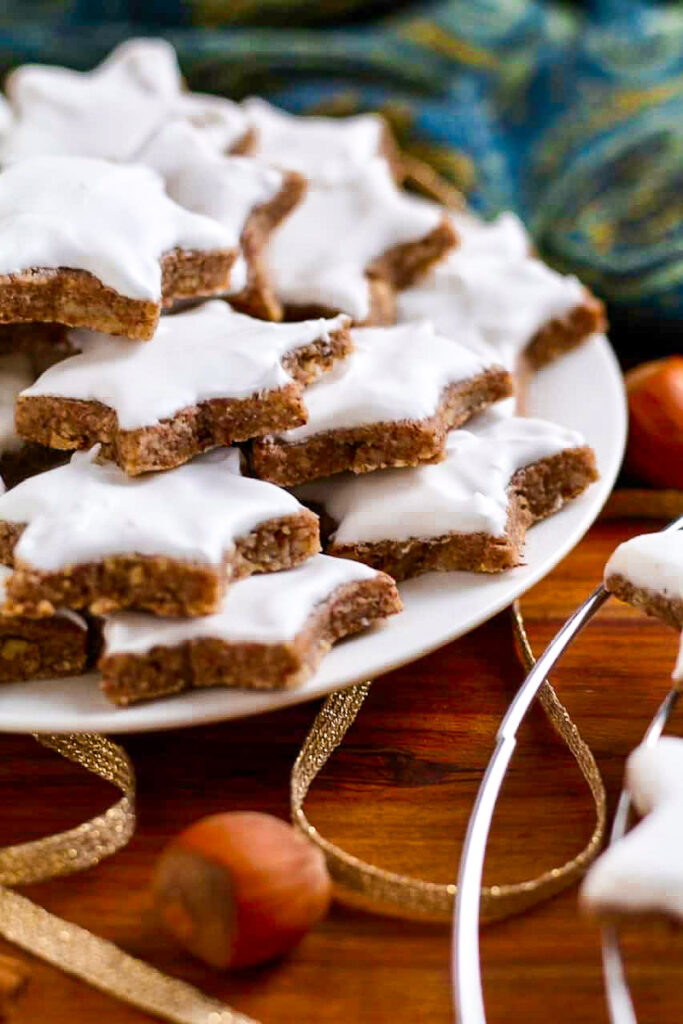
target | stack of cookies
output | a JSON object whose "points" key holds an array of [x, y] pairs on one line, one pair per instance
{"points": [[244, 328]]}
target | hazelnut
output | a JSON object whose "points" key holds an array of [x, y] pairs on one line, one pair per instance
{"points": [[655, 400], [240, 888]]}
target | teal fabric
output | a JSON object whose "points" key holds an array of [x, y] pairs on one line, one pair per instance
{"points": [[573, 116]]}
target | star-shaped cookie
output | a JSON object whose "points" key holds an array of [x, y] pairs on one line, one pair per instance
{"points": [[94, 244], [87, 536], [391, 403], [643, 872], [351, 241], [111, 111], [270, 632], [647, 571], [247, 197], [494, 291], [324, 149], [208, 377], [471, 511]]}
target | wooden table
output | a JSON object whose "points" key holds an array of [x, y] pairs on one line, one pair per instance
{"points": [[398, 793]]}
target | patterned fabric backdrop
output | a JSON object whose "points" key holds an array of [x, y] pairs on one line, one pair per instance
{"points": [[573, 116]]}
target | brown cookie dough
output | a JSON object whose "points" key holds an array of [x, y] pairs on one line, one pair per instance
{"points": [[41, 648], [378, 445], [258, 297], [660, 606], [245, 356], [78, 299], [535, 492], [84, 536], [214, 654], [164, 586], [561, 335]]}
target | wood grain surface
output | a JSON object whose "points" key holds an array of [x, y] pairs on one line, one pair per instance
{"points": [[398, 793]]}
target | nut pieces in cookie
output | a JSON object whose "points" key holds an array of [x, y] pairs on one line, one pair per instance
{"points": [[208, 377], [87, 536], [94, 244], [391, 403]]}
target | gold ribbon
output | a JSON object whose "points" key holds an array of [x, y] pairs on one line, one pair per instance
{"points": [[74, 949], [366, 885]]}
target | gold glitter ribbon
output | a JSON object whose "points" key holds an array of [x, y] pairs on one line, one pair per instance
{"points": [[74, 949], [371, 887]]}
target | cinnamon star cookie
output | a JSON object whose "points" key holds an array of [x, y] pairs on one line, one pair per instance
{"points": [[270, 632], [111, 111], [642, 873], [94, 244], [647, 572], [87, 536], [516, 305], [351, 242], [391, 403], [469, 512], [208, 377]]}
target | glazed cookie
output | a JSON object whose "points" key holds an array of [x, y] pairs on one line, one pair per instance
{"points": [[112, 111], [391, 403], [247, 197], [269, 633], [350, 242], [93, 244], [54, 646], [643, 872], [208, 377], [647, 572], [514, 303], [87, 536], [322, 148], [469, 512]]}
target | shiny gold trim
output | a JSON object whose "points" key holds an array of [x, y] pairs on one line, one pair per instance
{"points": [[374, 888]]}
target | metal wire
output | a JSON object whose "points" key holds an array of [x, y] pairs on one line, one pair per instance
{"points": [[468, 997]]}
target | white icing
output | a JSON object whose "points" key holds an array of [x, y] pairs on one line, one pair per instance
{"points": [[653, 561], [197, 177], [64, 613], [393, 374], [466, 493], [502, 238], [643, 872], [322, 148], [267, 609], [480, 296], [84, 511], [15, 374], [220, 122], [207, 352], [111, 111], [319, 255], [111, 220]]}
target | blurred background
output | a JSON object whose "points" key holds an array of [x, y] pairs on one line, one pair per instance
{"points": [[569, 114]]}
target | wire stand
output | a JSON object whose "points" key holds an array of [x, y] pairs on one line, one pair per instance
{"points": [[468, 996]]}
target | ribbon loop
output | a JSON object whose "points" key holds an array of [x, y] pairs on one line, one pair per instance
{"points": [[363, 884]]}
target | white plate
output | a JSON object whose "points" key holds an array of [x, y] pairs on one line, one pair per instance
{"points": [[584, 391]]}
